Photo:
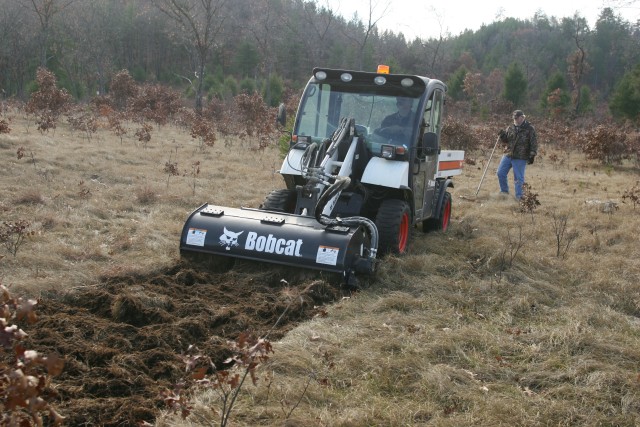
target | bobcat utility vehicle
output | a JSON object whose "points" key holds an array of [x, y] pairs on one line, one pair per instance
{"points": [[353, 188]]}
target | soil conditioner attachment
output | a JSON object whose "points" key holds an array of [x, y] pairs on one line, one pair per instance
{"points": [[364, 169]]}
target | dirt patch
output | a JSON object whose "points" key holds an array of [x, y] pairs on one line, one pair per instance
{"points": [[122, 338]]}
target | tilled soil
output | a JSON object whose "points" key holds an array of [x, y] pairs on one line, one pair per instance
{"points": [[122, 338]]}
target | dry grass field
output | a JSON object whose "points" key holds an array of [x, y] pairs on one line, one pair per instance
{"points": [[102, 206], [509, 319]]}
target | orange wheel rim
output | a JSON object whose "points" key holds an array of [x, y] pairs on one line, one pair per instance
{"points": [[403, 236], [446, 214]]}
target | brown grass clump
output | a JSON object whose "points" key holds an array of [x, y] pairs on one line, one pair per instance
{"points": [[30, 197], [146, 195]]}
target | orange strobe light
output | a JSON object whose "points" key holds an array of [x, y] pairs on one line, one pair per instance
{"points": [[383, 69]]}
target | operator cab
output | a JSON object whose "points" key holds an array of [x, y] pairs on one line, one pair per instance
{"points": [[387, 108]]}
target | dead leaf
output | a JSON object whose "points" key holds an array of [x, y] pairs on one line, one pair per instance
{"points": [[527, 392]]}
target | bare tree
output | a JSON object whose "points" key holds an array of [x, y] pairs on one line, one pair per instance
{"points": [[319, 20], [577, 28], [87, 30], [622, 3], [46, 11], [15, 52], [432, 46], [198, 22], [267, 18], [362, 39]]}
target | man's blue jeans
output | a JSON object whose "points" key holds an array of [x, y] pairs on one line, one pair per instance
{"points": [[505, 166]]}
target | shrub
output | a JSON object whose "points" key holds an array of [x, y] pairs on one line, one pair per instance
{"points": [[529, 201], [256, 117], [85, 122], [605, 143], [48, 102], [23, 381], [123, 88], [457, 135], [203, 131], [4, 126], [14, 233], [144, 133], [632, 194], [249, 352], [154, 102]]}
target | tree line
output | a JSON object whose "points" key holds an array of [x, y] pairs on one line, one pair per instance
{"points": [[219, 48]]}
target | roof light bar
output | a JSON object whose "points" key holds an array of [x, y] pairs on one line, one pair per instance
{"points": [[321, 75], [346, 77]]}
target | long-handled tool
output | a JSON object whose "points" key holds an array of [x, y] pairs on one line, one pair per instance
{"points": [[487, 167]]}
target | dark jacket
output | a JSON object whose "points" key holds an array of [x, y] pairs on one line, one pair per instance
{"points": [[521, 141], [397, 119]]}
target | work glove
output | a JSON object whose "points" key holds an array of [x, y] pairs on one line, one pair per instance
{"points": [[502, 135], [530, 161]]}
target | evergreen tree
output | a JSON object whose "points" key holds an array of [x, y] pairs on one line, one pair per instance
{"points": [[455, 86], [276, 89], [247, 59], [248, 86], [515, 85], [586, 101], [555, 99], [612, 45], [626, 97]]}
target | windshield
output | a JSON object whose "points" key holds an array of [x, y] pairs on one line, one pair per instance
{"points": [[379, 117]]}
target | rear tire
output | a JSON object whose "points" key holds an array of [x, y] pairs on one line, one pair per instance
{"points": [[282, 200], [441, 223], [394, 226]]}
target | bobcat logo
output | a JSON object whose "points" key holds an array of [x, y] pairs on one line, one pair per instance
{"points": [[229, 239]]}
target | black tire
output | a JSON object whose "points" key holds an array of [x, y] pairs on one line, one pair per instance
{"points": [[394, 226], [441, 223], [282, 200]]}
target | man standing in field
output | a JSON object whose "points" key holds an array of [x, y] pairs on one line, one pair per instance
{"points": [[520, 148]]}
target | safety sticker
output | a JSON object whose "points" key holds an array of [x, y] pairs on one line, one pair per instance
{"points": [[327, 255], [195, 236]]}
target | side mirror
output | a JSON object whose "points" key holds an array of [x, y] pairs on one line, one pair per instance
{"points": [[429, 144], [281, 118]]}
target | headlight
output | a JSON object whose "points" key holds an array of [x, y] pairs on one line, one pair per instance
{"points": [[406, 82], [379, 80], [388, 151], [321, 75]]}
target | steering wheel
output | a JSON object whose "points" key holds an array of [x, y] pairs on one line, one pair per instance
{"points": [[386, 132]]}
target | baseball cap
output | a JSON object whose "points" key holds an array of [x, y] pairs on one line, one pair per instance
{"points": [[517, 113]]}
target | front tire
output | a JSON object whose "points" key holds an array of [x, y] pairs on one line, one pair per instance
{"points": [[394, 226], [282, 200]]}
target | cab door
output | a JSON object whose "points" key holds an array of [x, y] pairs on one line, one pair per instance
{"points": [[426, 166]]}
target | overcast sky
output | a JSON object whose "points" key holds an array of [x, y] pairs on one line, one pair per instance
{"points": [[428, 18]]}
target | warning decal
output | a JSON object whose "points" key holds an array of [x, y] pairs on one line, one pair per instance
{"points": [[327, 255], [195, 236]]}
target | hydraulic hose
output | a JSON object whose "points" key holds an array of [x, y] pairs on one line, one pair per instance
{"points": [[340, 184], [338, 135], [309, 157], [370, 225]]}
